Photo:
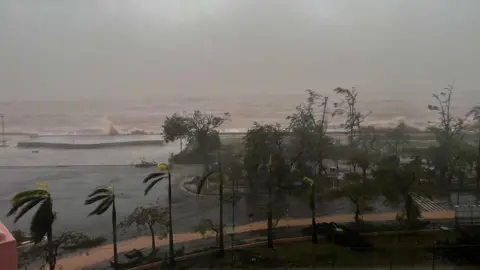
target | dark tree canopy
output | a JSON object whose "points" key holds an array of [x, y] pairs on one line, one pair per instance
{"points": [[191, 126]]}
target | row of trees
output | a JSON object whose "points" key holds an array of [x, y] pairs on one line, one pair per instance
{"points": [[379, 162], [275, 158], [145, 218]]}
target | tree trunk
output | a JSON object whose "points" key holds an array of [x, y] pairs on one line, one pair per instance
{"points": [[314, 220], [478, 165], [269, 214], [152, 233], [114, 224], [51, 260], [220, 191], [170, 225], [357, 212], [462, 179]]}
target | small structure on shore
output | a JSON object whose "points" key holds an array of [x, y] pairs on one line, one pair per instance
{"points": [[112, 131]]}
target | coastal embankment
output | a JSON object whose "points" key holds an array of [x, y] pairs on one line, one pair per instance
{"points": [[52, 145]]}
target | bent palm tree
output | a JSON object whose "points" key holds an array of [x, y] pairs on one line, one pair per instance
{"points": [[42, 220], [152, 179], [106, 198], [221, 245]]}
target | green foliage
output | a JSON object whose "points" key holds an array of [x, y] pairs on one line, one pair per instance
{"points": [[66, 242], [207, 225], [198, 128], [447, 126], [175, 127], [105, 198], [103, 195], [308, 144], [85, 242], [348, 107], [397, 139], [148, 219], [399, 182], [43, 219], [359, 191], [145, 218], [263, 142]]}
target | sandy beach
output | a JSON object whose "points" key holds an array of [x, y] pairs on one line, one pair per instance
{"points": [[105, 252]]}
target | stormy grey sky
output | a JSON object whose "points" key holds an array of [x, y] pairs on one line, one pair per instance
{"points": [[120, 49]]}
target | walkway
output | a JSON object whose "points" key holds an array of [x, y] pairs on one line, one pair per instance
{"points": [[103, 253]]}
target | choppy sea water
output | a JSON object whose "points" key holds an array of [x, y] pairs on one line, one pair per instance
{"points": [[95, 116], [72, 174], [82, 170]]}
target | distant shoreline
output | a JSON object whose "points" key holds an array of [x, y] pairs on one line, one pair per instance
{"points": [[36, 135]]}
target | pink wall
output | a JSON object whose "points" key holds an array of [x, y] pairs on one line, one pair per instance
{"points": [[8, 250]]}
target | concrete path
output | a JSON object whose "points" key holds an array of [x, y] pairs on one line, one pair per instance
{"points": [[103, 253]]}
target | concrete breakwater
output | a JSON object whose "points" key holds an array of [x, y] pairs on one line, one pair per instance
{"points": [[98, 145]]}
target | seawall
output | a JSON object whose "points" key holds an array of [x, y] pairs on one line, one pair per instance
{"points": [[88, 145]]}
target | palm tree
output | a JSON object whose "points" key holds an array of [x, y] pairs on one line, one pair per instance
{"points": [[41, 223], [152, 179], [106, 198], [311, 198], [221, 247]]}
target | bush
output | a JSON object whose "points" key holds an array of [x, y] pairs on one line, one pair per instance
{"points": [[464, 250], [340, 235], [192, 153], [87, 242]]}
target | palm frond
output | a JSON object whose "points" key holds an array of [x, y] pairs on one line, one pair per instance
{"points": [[153, 175], [100, 190], [151, 185], [42, 221], [202, 182], [102, 207], [27, 207], [18, 203], [30, 193], [96, 198]]}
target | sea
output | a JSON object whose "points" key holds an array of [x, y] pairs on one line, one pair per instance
{"points": [[72, 174]]}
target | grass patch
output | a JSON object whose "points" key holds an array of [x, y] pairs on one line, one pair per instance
{"points": [[397, 250]]}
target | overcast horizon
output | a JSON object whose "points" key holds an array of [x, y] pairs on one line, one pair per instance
{"points": [[142, 49]]}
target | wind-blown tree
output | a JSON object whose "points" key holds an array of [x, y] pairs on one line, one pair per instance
{"points": [[148, 219], [397, 139], [261, 142], [475, 114], [105, 197], [309, 145], [42, 221], [363, 152], [400, 182], [308, 141], [367, 153], [448, 130], [265, 163], [151, 180], [348, 107], [216, 168], [207, 225], [227, 167], [197, 128], [359, 191]]}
